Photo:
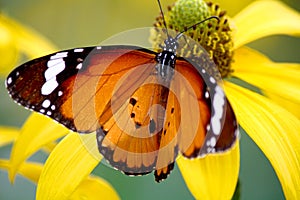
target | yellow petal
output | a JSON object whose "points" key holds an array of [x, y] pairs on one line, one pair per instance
{"points": [[68, 164], [94, 188], [35, 133], [287, 104], [8, 135], [274, 130], [205, 176], [30, 170], [15, 39], [265, 18], [28, 41], [8, 48], [90, 188], [280, 81]]}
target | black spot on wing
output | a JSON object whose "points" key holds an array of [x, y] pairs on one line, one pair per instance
{"points": [[132, 101]]}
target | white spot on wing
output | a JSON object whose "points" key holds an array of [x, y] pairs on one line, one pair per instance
{"points": [[46, 103], [206, 94], [59, 55], [208, 127], [213, 141], [79, 66], [216, 125], [60, 93], [49, 86], [218, 104], [54, 70], [99, 47], [9, 80], [212, 80], [100, 138], [54, 62], [49, 113], [78, 50], [53, 107], [208, 143]]}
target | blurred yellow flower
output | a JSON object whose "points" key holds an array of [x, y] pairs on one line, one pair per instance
{"points": [[16, 39]]}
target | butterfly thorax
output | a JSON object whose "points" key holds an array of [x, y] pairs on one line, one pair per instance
{"points": [[166, 60]]}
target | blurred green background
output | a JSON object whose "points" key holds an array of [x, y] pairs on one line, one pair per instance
{"points": [[70, 24]]}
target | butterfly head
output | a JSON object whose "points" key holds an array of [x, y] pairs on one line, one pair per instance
{"points": [[171, 45]]}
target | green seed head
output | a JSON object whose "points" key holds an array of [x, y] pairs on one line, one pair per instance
{"points": [[213, 35]]}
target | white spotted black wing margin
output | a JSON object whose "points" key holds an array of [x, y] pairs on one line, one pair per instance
{"points": [[37, 84]]}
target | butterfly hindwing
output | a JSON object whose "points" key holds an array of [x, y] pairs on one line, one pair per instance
{"points": [[217, 127], [130, 141], [134, 137], [168, 150]]}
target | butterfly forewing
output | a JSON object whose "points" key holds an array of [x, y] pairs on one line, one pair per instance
{"points": [[63, 85], [38, 84], [99, 81]]}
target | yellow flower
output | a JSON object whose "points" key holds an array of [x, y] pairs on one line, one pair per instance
{"points": [[273, 128], [16, 40], [81, 186]]}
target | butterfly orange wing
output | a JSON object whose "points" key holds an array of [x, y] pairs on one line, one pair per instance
{"points": [[141, 124], [188, 119]]}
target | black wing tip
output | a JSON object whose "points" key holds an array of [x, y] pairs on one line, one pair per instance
{"points": [[162, 176]]}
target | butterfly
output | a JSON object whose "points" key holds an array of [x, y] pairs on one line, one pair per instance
{"points": [[146, 107]]}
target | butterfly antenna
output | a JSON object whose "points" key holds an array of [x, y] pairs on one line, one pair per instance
{"points": [[163, 16], [188, 28]]}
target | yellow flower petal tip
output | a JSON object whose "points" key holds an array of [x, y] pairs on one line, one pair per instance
{"points": [[205, 176], [94, 188], [16, 39], [278, 136], [278, 81], [37, 132], [8, 135], [67, 166], [30, 170], [265, 18], [8, 49]]}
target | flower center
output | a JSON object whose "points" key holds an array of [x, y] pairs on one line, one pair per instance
{"points": [[214, 36]]}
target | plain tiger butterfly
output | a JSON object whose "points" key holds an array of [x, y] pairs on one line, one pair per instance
{"points": [[145, 106]]}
